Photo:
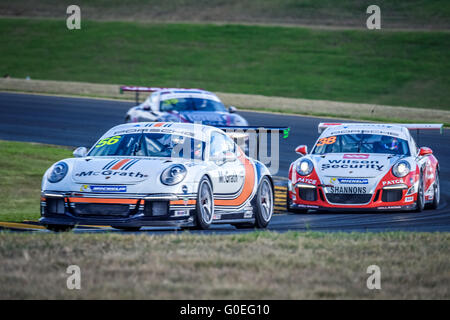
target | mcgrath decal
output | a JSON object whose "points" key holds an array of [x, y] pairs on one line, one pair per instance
{"points": [[108, 173], [225, 177], [352, 164]]}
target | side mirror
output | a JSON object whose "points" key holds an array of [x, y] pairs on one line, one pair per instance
{"points": [[423, 151], [146, 107], [232, 109], [80, 152], [302, 150]]}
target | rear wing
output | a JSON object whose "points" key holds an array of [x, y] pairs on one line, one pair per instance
{"points": [[137, 90], [411, 126], [238, 130]]}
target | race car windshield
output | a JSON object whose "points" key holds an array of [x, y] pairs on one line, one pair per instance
{"points": [[149, 145], [361, 143], [191, 104]]}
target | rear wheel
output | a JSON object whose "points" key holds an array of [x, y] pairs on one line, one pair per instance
{"points": [[420, 203], [59, 227], [437, 192], [289, 205], [205, 205], [263, 202], [127, 228]]}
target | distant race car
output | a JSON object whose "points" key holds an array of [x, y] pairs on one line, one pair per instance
{"points": [[365, 166], [182, 105], [158, 174]]}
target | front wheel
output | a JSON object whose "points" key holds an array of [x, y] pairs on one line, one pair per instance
{"points": [[437, 192], [205, 205], [420, 203]]}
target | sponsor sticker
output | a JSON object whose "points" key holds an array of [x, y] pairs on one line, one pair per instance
{"points": [[347, 190], [108, 188], [353, 180], [409, 199]]}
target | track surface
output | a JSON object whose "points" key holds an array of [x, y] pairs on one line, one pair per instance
{"points": [[80, 121]]}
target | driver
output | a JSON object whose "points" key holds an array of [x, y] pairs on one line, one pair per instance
{"points": [[389, 144]]}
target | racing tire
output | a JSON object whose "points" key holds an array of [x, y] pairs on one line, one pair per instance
{"points": [[127, 228], [263, 202], [420, 203], [204, 212], [437, 193], [58, 227], [290, 209]]}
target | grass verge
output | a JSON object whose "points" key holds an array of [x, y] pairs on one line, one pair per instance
{"points": [[388, 68], [257, 265], [395, 14], [22, 166]]}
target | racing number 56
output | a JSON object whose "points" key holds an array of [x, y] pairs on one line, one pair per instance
{"points": [[111, 140]]}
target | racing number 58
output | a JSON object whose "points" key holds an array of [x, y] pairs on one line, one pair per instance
{"points": [[111, 140]]}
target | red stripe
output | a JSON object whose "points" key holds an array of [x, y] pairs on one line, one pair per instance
{"points": [[119, 164]]}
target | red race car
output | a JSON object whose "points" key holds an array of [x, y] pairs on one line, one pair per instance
{"points": [[363, 166]]}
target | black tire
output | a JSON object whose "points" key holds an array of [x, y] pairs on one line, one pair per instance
{"points": [[58, 227], [437, 192], [290, 209], [420, 203], [127, 228], [262, 214], [205, 205], [264, 202]]}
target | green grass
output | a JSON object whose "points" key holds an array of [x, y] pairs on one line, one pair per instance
{"points": [[22, 166], [257, 265], [398, 13], [394, 68]]}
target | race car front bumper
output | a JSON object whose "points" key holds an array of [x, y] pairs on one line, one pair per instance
{"points": [[59, 208], [315, 197]]}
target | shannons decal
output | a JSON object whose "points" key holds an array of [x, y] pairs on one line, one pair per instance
{"points": [[347, 190], [352, 164]]}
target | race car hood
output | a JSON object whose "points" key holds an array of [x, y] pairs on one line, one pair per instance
{"points": [[206, 117], [354, 165], [109, 170]]}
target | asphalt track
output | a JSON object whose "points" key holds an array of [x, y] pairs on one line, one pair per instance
{"points": [[80, 121]]}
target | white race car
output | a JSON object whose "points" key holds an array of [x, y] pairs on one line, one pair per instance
{"points": [[158, 174], [364, 166]]}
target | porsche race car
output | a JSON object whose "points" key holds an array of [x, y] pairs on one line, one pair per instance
{"points": [[182, 105], [158, 174], [363, 166]]}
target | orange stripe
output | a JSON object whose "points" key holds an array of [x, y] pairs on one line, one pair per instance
{"points": [[104, 200], [181, 202], [119, 164], [159, 124], [249, 184]]}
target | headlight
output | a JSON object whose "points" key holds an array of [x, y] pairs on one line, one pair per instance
{"points": [[401, 169], [305, 167], [173, 174], [58, 172]]}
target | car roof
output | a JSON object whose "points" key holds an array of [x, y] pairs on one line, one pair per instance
{"points": [[197, 131], [368, 128]]}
